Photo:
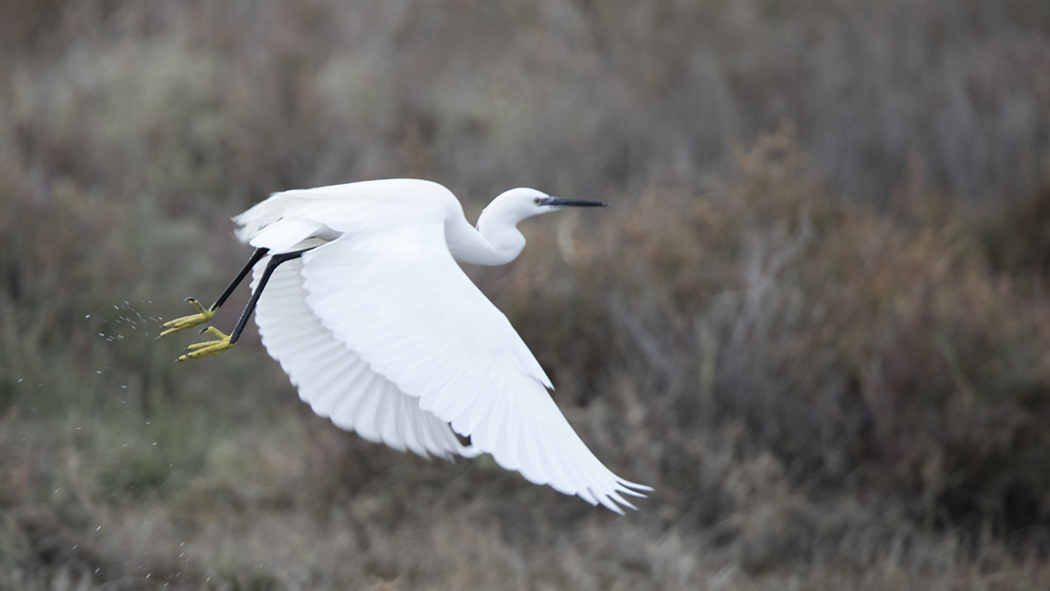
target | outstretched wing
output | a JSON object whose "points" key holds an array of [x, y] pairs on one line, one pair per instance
{"points": [[396, 299], [336, 382]]}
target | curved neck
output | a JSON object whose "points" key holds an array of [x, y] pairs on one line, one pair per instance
{"points": [[496, 240]]}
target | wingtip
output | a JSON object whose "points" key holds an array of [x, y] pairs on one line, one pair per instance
{"points": [[613, 500], [622, 501], [611, 505], [634, 488]]}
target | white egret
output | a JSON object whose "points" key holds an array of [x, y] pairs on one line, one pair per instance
{"points": [[368, 313]]}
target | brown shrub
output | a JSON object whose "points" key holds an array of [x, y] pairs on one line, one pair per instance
{"points": [[851, 345]]}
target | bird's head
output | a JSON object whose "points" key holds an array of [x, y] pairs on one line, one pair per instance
{"points": [[497, 222], [523, 202]]}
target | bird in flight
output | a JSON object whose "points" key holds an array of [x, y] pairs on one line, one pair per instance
{"points": [[357, 294]]}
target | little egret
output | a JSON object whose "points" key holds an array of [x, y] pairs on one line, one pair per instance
{"points": [[374, 322]]}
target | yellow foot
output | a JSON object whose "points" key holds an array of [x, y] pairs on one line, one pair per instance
{"points": [[189, 321], [208, 348]]}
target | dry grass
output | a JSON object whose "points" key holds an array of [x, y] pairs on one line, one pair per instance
{"points": [[824, 342]]}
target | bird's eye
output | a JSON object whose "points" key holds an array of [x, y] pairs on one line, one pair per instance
{"points": [[537, 201]]}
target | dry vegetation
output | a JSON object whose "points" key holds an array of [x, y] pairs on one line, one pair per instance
{"points": [[816, 317]]}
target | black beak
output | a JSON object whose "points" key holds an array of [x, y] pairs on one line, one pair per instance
{"points": [[559, 202]]}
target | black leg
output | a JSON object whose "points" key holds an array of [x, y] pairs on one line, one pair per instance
{"points": [[256, 257], [203, 315], [271, 266]]}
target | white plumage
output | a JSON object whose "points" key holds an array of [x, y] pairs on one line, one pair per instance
{"points": [[381, 331]]}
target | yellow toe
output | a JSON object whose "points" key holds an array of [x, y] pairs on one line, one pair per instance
{"points": [[203, 315], [208, 348]]}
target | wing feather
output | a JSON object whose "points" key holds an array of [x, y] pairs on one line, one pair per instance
{"points": [[334, 380], [400, 302], [561, 480], [366, 414]]}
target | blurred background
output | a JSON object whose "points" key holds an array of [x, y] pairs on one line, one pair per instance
{"points": [[814, 318]]}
